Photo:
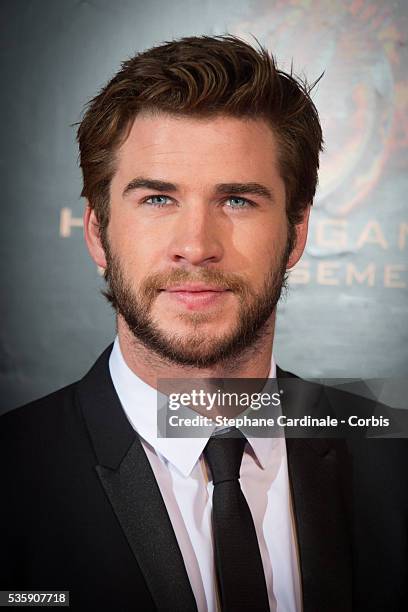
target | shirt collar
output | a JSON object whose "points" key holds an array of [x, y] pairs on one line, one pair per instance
{"points": [[139, 401]]}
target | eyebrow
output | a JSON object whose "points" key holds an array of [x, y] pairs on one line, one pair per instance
{"points": [[241, 188], [221, 188], [147, 183]]}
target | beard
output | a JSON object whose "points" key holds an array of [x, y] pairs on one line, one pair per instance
{"points": [[195, 348]]}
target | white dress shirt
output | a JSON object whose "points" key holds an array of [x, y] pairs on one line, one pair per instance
{"points": [[182, 476]]}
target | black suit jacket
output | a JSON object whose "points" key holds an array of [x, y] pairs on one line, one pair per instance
{"points": [[81, 510]]}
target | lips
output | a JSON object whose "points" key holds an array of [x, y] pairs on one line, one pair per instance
{"points": [[194, 288], [196, 296]]}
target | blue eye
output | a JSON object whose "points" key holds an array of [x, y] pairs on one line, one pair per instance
{"points": [[157, 200], [238, 202]]}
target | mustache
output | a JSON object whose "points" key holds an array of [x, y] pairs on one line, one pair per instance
{"points": [[163, 280]]}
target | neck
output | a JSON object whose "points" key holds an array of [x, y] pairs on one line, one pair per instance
{"points": [[255, 362]]}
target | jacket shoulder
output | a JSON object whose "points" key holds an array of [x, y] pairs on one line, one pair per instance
{"points": [[38, 421], [40, 406]]}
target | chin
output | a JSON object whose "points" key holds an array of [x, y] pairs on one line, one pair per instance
{"points": [[187, 330]]}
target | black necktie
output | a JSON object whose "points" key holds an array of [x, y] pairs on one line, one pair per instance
{"points": [[238, 561]]}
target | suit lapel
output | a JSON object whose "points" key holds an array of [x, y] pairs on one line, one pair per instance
{"points": [[129, 483], [318, 473]]}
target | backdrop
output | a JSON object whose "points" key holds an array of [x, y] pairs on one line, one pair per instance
{"points": [[346, 312]]}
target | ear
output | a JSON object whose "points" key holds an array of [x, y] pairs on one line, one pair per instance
{"points": [[92, 237], [300, 239]]}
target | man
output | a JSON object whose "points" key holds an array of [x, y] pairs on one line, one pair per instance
{"points": [[200, 162]]}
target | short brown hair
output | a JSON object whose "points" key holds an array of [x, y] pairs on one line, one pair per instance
{"points": [[203, 76]]}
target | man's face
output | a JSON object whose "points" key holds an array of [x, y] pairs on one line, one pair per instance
{"points": [[197, 238]]}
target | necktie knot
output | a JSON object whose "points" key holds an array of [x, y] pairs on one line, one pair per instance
{"points": [[223, 454]]}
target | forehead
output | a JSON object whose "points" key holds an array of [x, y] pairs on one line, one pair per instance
{"points": [[216, 149]]}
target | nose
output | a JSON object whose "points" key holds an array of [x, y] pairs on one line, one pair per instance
{"points": [[196, 238]]}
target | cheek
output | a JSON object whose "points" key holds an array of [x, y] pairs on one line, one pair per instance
{"points": [[129, 236], [137, 253], [258, 247]]}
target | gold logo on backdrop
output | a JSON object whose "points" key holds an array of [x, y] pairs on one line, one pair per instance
{"points": [[362, 99]]}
